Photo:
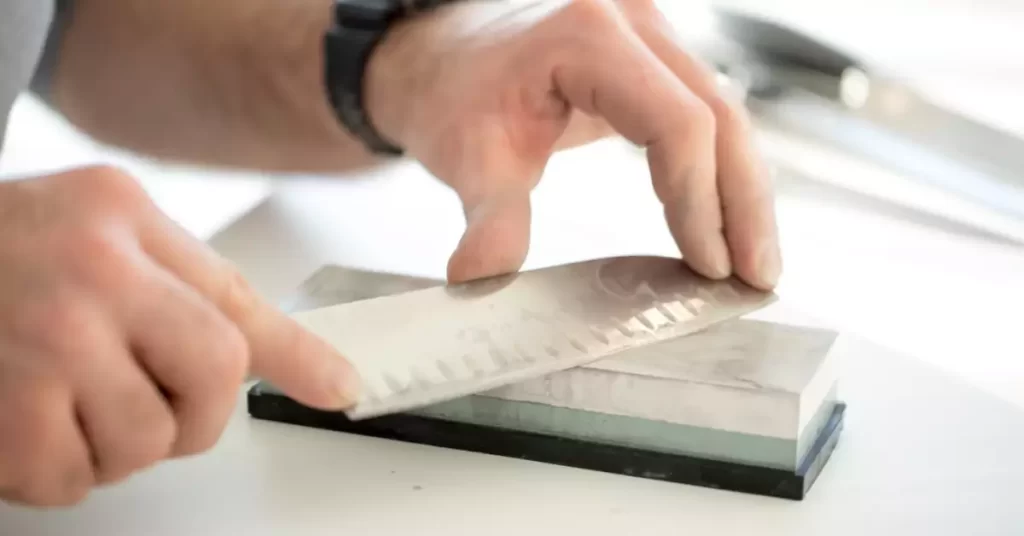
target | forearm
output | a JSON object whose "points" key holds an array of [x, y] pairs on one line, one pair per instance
{"points": [[234, 83]]}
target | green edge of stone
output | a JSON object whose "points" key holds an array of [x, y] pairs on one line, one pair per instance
{"points": [[705, 443]]}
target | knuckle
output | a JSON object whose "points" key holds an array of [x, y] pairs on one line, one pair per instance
{"points": [[701, 117], [230, 356], [103, 258], [58, 488], [109, 184], [206, 403], [641, 7], [196, 440], [593, 12], [694, 119], [39, 493], [72, 484], [45, 473], [150, 431], [235, 296], [201, 426], [729, 112], [28, 408], [65, 326], [24, 436]]}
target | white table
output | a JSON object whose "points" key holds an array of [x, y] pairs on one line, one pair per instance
{"points": [[933, 378], [204, 201], [937, 393]]}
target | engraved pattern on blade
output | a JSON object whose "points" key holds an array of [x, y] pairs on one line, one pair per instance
{"points": [[334, 285], [426, 346]]}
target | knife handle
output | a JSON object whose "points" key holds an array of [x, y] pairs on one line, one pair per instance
{"points": [[775, 43]]}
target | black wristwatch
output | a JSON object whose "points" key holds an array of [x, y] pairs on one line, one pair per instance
{"points": [[357, 28]]}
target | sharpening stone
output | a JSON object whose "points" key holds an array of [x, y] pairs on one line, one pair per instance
{"points": [[745, 405]]}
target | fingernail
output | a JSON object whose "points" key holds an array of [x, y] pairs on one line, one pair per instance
{"points": [[770, 266], [347, 384], [718, 258], [721, 265]]}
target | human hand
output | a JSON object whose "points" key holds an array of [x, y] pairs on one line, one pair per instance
{"points": [[123, 340], [482, 93]]}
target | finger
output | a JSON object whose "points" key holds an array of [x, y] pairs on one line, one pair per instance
{"points": [[123, 415], [494, 187], [582, 130], [744, 184], [496, 240], [280, 350], [44, 458], [619, 78], [195, 354]]}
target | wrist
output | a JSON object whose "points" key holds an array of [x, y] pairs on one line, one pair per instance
{"points": [[390, 82], [379, 80], [386, 79], [289, 51]]}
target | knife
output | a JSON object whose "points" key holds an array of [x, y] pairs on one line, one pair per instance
{"points": [[435, 344], [808, 84]]}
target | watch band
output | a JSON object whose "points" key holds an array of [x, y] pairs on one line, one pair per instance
{"points": [[357, 28]]}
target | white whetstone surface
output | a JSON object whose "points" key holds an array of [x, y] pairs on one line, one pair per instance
{"points": [[435, 344], [760, 378]]}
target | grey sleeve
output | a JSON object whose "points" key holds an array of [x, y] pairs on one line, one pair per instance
{"points": [[41, 83], [24, 25]]}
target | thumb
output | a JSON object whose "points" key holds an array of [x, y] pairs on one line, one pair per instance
{"points": [[496, 240]]}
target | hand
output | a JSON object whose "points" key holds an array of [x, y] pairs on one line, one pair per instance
{"points": [[124, 341], [482, 93]]}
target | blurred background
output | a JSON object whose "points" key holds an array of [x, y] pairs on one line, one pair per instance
{"points": [[961, 56], [895, 129]]}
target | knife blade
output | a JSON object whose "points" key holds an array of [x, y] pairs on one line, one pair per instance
{"points": [[789, 75], [434, 344]]}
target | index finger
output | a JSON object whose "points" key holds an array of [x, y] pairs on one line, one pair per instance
{"points": [[282, 352], [620, 79]]}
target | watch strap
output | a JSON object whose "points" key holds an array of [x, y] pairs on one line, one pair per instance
{"points": [[357, 27]]}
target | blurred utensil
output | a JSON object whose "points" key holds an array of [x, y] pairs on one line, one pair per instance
{"points": [[809, 86]]}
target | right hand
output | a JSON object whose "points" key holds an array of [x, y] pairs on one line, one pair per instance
{"points": [[484, 93], [124, 340]]}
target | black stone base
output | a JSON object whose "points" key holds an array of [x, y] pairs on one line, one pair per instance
{"points": [[266, 404]]}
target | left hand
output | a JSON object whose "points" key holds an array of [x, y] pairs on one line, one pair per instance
{"points": [[482, 93]]}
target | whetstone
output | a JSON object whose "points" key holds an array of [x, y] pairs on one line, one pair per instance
{"points": [[747, 405]]}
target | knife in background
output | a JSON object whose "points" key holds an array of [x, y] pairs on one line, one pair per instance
{"points": [[809, 86]]}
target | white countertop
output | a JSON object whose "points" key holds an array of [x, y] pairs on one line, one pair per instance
{"points": [[203, 201], [934, 376], [935, 405]]}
